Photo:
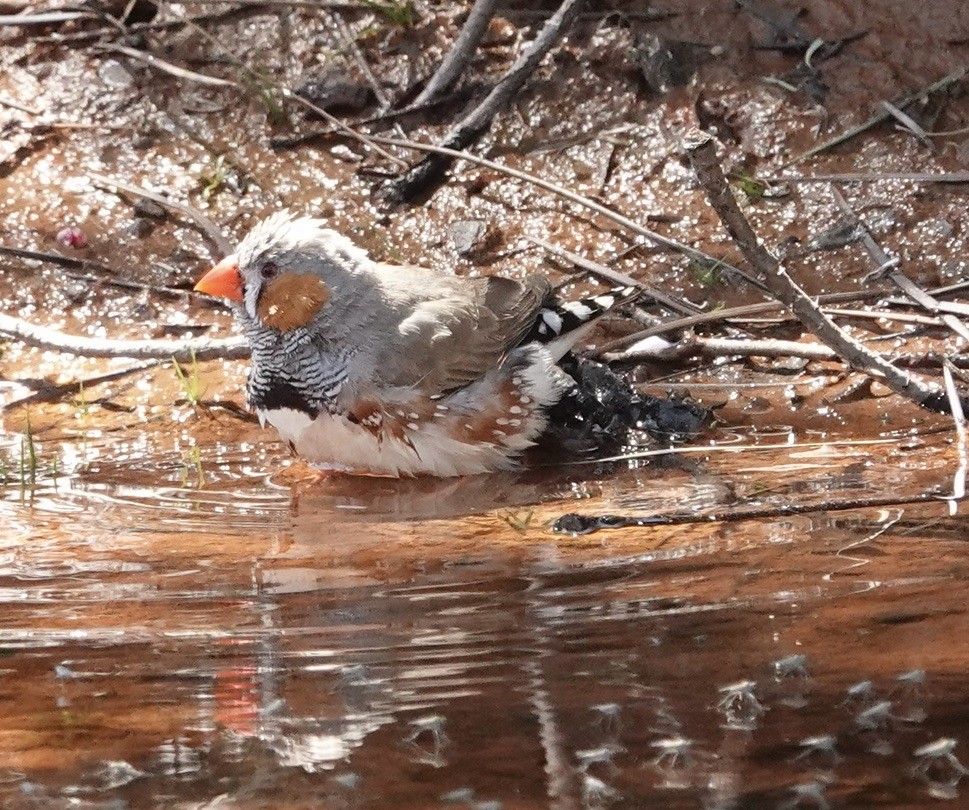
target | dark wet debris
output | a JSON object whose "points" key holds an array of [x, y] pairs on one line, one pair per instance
{"points": [[601, 412]]}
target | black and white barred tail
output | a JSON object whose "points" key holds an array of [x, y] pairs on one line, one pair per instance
{"points": [[559, 320]]}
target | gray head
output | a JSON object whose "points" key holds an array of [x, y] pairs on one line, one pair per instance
{"points": [[291, 273]]}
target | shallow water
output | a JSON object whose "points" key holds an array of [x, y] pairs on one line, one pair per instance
{"points": [[264, 641], [189, 620]]}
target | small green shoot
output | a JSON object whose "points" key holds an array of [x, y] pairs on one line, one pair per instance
{"points": [[256, 80], [192, 461], [753, 188], [708, 275], [518, 520], [80, 401], [28, 457], [191, 384], [397, 12], [214, 180]]}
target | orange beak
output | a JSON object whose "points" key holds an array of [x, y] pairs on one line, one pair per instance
{"points": [[223, 280]]}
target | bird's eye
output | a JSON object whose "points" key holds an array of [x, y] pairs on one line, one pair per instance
{"points": [[269, 270]]}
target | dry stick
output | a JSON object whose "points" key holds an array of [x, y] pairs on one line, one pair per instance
{"points": [[909, 124], [906, 285], [461, 53], [882, 115], [207, 225], [109, 277], [578, 199], [45, 338], [955, 405], [615, 277], [167, 67], [421, 176], [702, 154], [692, 345], [737, 312], [575, 524], [57, 392], [351, 44], [287, 93], [45, 19], [872, 177]]}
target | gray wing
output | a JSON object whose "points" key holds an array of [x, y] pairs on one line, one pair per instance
{"points": [[449, 342]]}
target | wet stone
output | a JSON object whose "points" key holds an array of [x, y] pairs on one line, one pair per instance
{"points": [[332, 88], [149, 208], [114, 74], [467, 233], [665, 64]]}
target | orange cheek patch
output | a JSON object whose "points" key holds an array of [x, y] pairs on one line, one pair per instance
{"points": [[291, 300]]}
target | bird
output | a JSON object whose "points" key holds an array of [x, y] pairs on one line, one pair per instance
{"points": [[393, 370]]}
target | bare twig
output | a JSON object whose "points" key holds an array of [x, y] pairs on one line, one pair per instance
{"points": [[873, 177], [167, 67], [910, 124], [45, 19], [615, 277], [730, 313], [578, 199], [107, 275], [585, 524], [209, 228], [461, 53], [16, 105], [692, 345], [52, 393], [145, 349], [350, 44], [703, 157], [962, 441], [419, 178], [905, 284], [883, 114]]}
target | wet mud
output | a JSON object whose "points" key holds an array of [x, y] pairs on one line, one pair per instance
{"points": [[192, 618]]}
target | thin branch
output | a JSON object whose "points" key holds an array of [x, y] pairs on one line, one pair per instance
{"points": [[425, 173], [873, 177], [692, 345], [586, 524], [891, 271], [45, 19], [45, 338], [615, 277], [108, 275], [350, 43], [702, 154], [207, 225], [962, 441], [461, 53], [167, 67], [732, 313], [883, 114], [53, 393], [578, 199]]}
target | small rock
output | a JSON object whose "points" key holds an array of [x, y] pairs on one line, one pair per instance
{"points": [[665, 64], [468, 235], [332, 88], [149, 208], [114, 74]]}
